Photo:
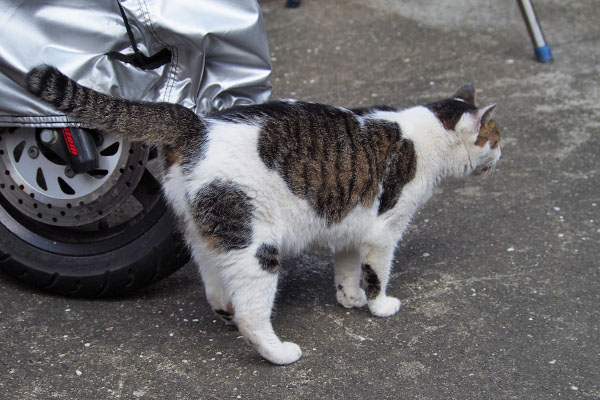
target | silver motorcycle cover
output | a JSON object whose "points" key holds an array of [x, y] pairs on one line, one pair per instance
{"points": [[219, 52]]}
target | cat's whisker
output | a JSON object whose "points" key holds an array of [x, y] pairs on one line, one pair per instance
{"points": [[494, 171]]}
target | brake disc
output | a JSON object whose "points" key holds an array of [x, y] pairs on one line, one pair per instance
{"points": [[45, 189]]}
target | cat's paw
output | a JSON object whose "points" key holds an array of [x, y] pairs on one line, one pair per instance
{"points": [[284, 354], [384, 306], [225, 316], [359, 299]]}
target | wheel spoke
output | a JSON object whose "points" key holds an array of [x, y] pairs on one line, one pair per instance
{"points": [[153, 154], [109, 141], [147, 190]]}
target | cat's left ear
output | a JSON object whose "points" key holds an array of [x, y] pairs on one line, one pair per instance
{"points": [[485, 114], [466, 93]]}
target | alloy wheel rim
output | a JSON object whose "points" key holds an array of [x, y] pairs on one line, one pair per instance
{"points": [[43, 189]]}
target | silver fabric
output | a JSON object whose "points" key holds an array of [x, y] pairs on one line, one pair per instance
{"points": [[220, 55]]}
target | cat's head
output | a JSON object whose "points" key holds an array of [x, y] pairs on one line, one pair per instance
{"points": [[474, 128]]}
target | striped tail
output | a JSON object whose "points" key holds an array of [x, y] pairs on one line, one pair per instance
{"points": [[152, 123]]}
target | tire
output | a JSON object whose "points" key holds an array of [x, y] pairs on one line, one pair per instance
{"points": [[151, 256], [95, 259]]}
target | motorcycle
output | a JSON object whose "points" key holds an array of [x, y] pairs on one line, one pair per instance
{"points": [[81, 211]]}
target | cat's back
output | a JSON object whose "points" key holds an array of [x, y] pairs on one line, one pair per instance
{"points": [[299, 141], [331, 157]]}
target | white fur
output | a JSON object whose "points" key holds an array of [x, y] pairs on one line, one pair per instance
{"points": [[235, 278]]}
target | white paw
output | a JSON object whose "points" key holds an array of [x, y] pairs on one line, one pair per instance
{"points": [[384, 306], [359, 299], [286, 353]]}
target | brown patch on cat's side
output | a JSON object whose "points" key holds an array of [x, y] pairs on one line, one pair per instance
{"points": [[327, 157], [223, 215], [488, 132]]}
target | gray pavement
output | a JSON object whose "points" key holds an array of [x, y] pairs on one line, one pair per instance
{"points": [[499, 276]]}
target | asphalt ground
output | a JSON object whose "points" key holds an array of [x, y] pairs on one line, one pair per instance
{"points": [[498, 275]]}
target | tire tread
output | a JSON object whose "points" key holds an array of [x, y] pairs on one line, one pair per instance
{"points": [[167, 256]]}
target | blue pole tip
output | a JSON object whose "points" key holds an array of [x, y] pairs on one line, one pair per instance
{"points": [[543, 53]]}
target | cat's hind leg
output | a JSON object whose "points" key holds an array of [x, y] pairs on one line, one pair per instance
{"points": [[252, 284], [347, 279], [375, 276], [215, 293]]}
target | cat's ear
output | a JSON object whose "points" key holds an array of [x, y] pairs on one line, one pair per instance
{"points": [[466, 93], [485, 114]]}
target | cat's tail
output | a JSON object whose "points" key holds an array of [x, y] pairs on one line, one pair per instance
{"points": [[153, 123]]}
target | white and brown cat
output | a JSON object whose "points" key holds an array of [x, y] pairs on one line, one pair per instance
{"points": [[254, 184]]}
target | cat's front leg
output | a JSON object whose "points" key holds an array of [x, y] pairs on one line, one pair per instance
{"points": [[347, 279], [375, 276]]}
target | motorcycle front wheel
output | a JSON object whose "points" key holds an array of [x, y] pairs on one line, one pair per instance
{"points": [[103, 233]]}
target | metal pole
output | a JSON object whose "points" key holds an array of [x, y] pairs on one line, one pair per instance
{"points": [[541, 48]]}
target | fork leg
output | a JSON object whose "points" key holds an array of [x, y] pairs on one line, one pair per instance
{"points": [[541, 48]]}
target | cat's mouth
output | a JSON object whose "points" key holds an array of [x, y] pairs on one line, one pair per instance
{"points": [[481, 169]]}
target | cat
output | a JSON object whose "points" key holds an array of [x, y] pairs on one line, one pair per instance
{"points": [[255, 183]]}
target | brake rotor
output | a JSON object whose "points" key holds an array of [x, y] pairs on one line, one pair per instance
{"points": [[45, 189]]}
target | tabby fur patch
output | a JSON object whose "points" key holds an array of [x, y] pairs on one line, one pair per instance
{"points": [[223, 215], [149, 122], [489, 131], [370, 282], [449, 111], [268, 258], [332, 158]]}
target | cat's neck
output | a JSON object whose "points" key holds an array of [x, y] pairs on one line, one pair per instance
{"points": [[440, 154]]}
